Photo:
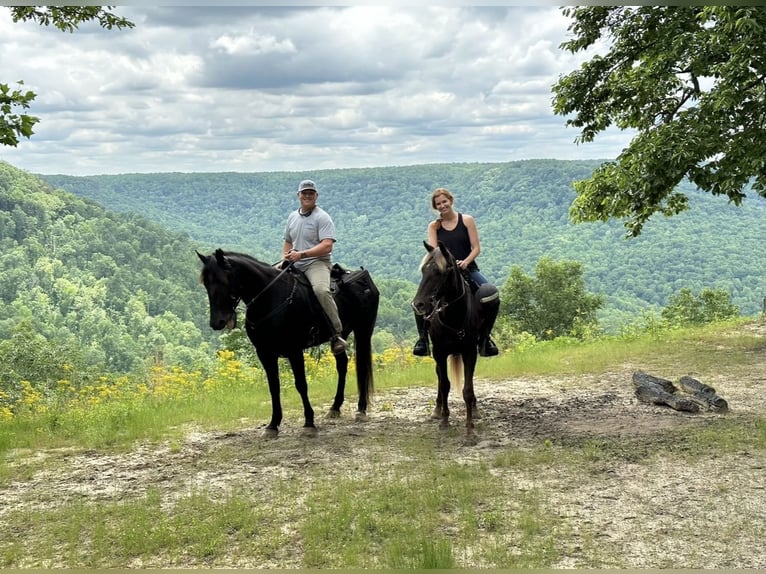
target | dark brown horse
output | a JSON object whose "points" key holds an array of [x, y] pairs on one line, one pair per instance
{"points": [[455, 318], [283, 318]]}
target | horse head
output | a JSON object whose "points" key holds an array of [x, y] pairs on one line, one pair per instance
{"points": [[437, 267], [217, 277]]}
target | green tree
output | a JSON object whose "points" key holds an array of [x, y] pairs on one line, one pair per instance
{"points": [[684, 308], [14, 123], [692, 81], [551, 304], [29, 356]]}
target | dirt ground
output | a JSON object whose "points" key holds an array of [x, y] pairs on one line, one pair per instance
{"points": [[704, 512]]}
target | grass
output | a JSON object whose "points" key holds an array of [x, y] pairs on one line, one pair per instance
{"points": [[398, 502], [142, 530], [410, 517]]}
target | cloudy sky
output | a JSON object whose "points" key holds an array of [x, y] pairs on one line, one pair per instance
{"points": [[256, 88]]}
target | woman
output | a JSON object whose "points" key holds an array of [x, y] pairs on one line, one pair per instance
{"points": [[458, 232]]}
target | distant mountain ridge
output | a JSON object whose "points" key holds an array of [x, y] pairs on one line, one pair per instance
{"points": [[521, 208]]}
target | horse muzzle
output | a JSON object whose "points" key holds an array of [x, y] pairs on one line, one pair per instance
{"points": [[420, 307], [220, 323]]}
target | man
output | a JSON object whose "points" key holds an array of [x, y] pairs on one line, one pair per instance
{"points": [[309, 239]]}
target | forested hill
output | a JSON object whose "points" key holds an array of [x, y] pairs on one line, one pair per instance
{"points": [[521, 208], [107, 290]]}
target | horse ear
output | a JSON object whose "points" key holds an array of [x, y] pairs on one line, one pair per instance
{"points": [[428, 246], [202, 258], [444, 250], [220, 257]]}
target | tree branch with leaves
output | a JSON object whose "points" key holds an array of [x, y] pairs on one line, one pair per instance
{"points": [[692, 81], [14, 122]]}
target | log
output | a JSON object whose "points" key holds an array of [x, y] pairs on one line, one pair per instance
{"points": [[641, 378], [655, 395], [657, 391], [703, 394]]}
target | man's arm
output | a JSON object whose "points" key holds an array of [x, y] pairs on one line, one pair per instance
{"points": [[323, 248]]}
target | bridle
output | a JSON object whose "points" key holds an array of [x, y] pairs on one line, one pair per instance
{"points": [[440, 305], [235, 299]]}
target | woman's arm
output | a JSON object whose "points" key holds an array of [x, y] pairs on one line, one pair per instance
{"points": [[473, 237], [432, 228]]}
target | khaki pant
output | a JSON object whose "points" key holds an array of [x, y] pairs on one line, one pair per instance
{"points": [[318, 274]]}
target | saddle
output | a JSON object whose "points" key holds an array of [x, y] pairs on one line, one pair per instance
{"points": [[358, 282], [345, 285]]}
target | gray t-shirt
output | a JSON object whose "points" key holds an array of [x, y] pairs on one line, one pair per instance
{"points": [[306, 231]]}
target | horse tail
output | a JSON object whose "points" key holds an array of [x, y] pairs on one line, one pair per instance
{"points": [[359, 298], [456, 371], [365, 382]]}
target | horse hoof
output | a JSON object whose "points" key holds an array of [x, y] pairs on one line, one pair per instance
{"points": [[444, 425], [436, 415], [475, 413], [309, 432], [333, 414], [361, 417], [270, 433], [471, 439]]}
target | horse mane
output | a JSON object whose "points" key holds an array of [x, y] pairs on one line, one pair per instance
{"points": [[248, 260], [439, 259], [240, 259], [424, 260]]}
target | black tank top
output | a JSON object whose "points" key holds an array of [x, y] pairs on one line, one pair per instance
{"points": [[457, 241]]}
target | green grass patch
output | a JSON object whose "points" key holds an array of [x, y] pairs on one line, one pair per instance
{"points": [[434, 517], [197, 529]]}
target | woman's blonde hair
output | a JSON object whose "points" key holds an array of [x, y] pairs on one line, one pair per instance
{"points": [[441, 191]]}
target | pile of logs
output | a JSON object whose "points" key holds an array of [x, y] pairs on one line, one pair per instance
{"points": [[696, 395]]}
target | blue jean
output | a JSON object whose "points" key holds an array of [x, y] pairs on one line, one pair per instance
{"points": [[478, 277]]}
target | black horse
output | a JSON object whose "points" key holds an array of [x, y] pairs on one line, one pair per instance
{"points": [[284, 317], [457, 319]]}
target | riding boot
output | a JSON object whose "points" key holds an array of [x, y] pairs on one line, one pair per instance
{"points": [[338, 345], [421, 348], [487, 347]]}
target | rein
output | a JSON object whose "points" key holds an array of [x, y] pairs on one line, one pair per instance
{"points": [[270, 283], [284, 304], [262, 291]]}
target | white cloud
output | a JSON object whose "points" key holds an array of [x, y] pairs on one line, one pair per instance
{"points": [[252, 43], [293, 88]]}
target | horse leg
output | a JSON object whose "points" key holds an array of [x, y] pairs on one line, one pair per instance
{"points": [[341, 366], [441, 411], [469, 397], [364, 377], [436, 414], [301, 385], [271, 366]]}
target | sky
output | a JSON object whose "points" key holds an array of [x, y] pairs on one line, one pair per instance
{"points": [[294, 88]]}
